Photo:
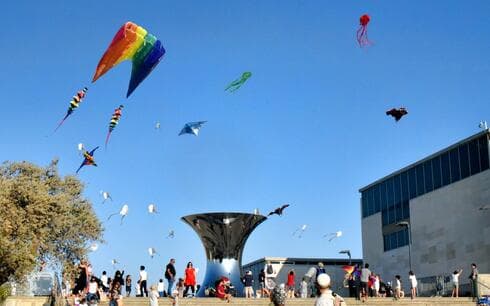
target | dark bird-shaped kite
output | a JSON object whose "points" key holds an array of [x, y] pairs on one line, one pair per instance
{"points": [[278, 211], [397, 113], [88, 159], [192, 128]]}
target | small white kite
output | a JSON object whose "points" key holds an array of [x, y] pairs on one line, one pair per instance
{"points": [[152, 209], [171, 234], [157, 125], [123, 212], [152, 252], [93, 247], [106, 196], [333, 235], [80, 148], [300, 231], [114, 262]]}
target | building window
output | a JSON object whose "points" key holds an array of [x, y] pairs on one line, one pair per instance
{"points": [[389, 192], [436, 172], [395, 240], [412, 183], [364, 204], [445, 169], [474, 157], [464, 161], [406, 210], [428, 176], [483, 148], [419, 169], [382, 193], [404, 179], [397, 187], [454, 160], [377, 204]]}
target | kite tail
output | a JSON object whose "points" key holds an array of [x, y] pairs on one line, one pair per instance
{"points": [[111, 216], [62, 121], [107, 138]]}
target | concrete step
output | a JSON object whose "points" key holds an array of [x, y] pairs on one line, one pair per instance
{"points": [[41, 301]]}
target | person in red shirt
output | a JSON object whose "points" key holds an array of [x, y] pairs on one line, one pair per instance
{"points": [[189, 279], [221, 292], [290, 284]]}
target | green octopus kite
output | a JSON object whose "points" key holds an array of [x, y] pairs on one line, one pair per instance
{"points": [[238, 82]]}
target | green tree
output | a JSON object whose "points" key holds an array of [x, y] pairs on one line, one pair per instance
{"points": [[43, 217]]}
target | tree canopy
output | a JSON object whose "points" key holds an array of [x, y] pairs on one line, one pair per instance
{"points": [[43, 217]]}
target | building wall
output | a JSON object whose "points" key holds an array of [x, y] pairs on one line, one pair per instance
{"points": [[448, 232]]}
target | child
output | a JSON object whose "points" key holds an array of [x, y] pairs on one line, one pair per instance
{"points": [[138, 289], [398, 288], [160, 287], [180, 288], [153, 296], [83, 302], [304, 288], [413, 284], [455, 279]]}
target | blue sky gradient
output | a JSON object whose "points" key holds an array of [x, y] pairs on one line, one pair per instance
{"points": [[308, 128]]}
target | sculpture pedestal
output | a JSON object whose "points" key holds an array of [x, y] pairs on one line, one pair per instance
{"points": [[223, 236]]}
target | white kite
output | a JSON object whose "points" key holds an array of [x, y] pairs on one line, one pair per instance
{"points": [[106, 196], [80, 148], [114, 262], [171, 234], [300, 230], [123, 212], [152, 209], [157, 125], [333, 235], [93, 247], [152, 252]]}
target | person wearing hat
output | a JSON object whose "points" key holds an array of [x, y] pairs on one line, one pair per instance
{"points": [[327, 297]]}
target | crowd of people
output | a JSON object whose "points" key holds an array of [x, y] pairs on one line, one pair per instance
{"points": [[88, 289]]}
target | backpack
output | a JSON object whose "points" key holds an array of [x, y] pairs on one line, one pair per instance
{"points": [[270, 270]]}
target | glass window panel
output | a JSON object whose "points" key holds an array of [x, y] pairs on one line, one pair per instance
{"points": [[397, 188], [398, 212], [483, 147], [401, 238], [412, 183], [474, 157], [464, 161], [406, 210], [391, 215], [387, 242], [384, 217], [389, 192], [382, 193], [377, 204], [364, 204], [445, 172], [428, 176], [420, 179], [407, 237], [393, 241], [454, 160], [436, 172], [404, 179]]}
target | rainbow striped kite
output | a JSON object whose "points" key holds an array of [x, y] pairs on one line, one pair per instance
{"points": [[134, 43], [348, 269]]}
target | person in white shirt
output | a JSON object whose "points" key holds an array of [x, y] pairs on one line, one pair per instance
{"points": [[455, 279], [304, 288], [365, 273], [143, 279], [327, 297], [103, 278], [161, 287], [398, 288], [153, 296], [413, 284]]}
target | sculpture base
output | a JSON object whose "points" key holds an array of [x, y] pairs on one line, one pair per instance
{"points": [[215, 270]]}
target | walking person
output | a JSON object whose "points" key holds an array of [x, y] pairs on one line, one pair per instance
{"points": [[263, 290], [189, 279], [170, 274], [290, 284], [143, 279], [474, 282], [128, 285], [413, 284], [455, 280], [365, 273]]}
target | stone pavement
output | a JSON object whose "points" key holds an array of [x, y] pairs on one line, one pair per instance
{"points": [[41, 301]]}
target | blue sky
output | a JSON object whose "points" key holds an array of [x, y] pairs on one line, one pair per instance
{"points": [[308, 128]]}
